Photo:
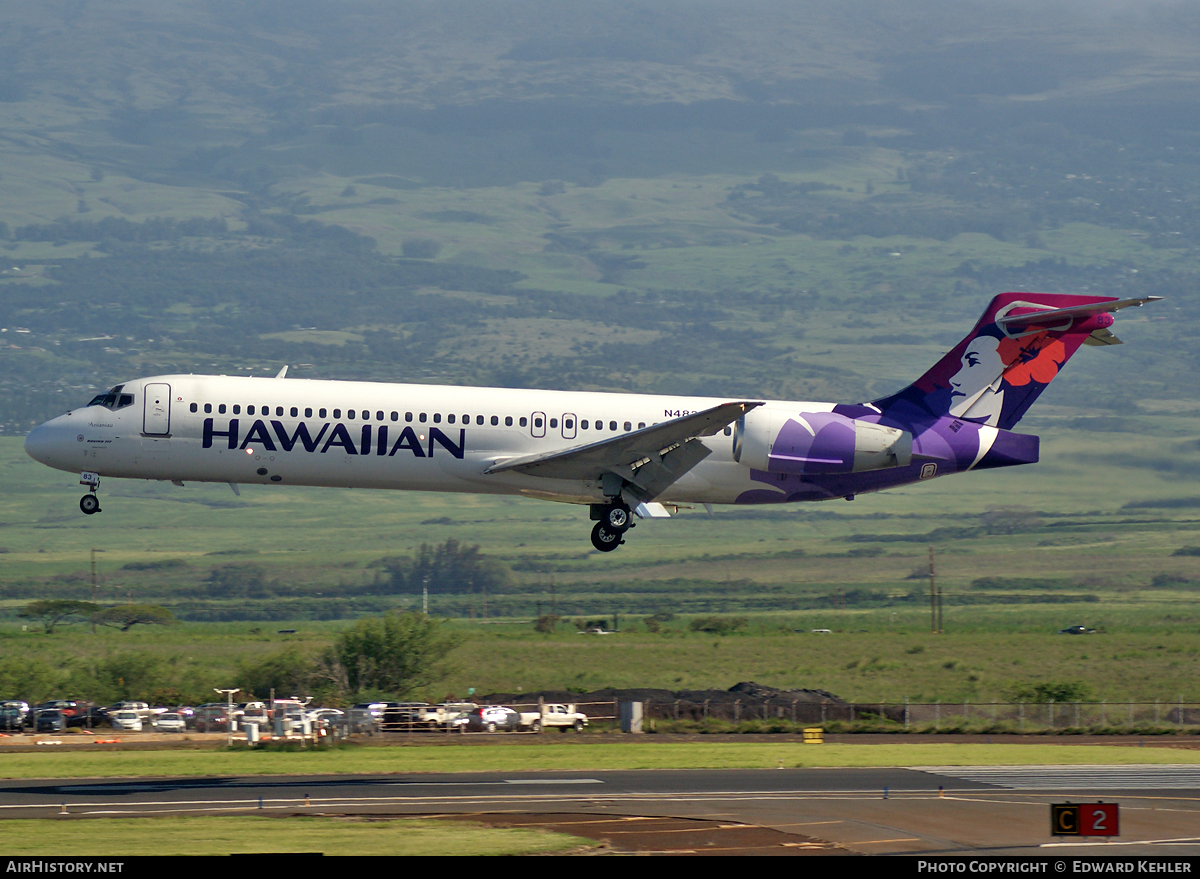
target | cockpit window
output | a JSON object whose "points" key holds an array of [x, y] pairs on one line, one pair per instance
{"points": [[113, 399]]}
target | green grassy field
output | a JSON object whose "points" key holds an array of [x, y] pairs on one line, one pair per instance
{"points": [[117, 837], [570, 753], [1075, 556]]}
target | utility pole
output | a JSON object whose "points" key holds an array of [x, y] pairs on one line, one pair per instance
{"points": [[933, 612], [229, 715], [93, 587]]}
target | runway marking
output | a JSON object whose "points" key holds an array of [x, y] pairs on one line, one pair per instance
{"points": [[1186, 840], [1183, 776], [882, 841], [553, 781]]}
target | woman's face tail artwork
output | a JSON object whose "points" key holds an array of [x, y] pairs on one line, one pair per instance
{"points": [[993, 364], [972, 386]]}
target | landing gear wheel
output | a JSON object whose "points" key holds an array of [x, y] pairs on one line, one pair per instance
{"points": [[617, 518], [89, 503], [605, 538]]}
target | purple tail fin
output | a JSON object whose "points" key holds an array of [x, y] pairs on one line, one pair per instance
{"points": [[1015, 350]]}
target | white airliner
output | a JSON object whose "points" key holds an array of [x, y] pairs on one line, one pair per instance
{"points": [[621, 454]]}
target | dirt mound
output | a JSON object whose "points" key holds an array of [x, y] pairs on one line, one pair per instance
{"points": [[748, 692]]}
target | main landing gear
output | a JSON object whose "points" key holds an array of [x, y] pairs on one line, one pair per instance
{"points": [[614, 520], [90, 502]]}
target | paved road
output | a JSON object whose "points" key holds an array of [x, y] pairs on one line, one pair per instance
{"points": [[948, 810], [997, 811]]}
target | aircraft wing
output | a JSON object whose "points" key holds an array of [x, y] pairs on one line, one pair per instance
{"points": [[647, 460]]}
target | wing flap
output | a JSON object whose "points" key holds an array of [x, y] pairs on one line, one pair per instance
{"points": [[651, 458]]}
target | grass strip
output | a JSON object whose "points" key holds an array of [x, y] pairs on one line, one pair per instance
{"points": [[124, 837], [575, 755]]}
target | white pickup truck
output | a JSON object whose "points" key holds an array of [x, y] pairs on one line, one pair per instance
{"points": [[448, 715], [564, 717]]}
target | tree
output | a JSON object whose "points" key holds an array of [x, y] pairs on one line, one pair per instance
{"points": [[448, 568], [126, 616], [395, 654], [58, 611]]}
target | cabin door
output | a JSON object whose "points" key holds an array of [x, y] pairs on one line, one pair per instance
{"points": [[156, 411]]}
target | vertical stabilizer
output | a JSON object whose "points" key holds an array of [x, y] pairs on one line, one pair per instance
{"points": [[1015, 350]]}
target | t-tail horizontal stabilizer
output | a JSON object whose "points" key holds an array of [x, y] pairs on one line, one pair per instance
{"points": [[1016, 349]]}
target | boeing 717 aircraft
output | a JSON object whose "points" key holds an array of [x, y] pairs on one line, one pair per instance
{"points": [[623, 455]]}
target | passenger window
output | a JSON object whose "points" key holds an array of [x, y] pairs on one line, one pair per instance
{"points": [[612, 425], [194, 407], [221, 409], [321, 413], [295, 411], [279, 411], [408, 416], [237, 409], [208, 407], [450, 418], [350, 414], [379, 416], [728, 431], [308, 412], [628, 427], [523, 421], [479, 419], [508, 421], [337, 413], [437, 417], [495, 420], [395, 416], [466, 419], [568, 424], [641, 424], [583, 425], [421, 418], [554, 422], [537, 422]]}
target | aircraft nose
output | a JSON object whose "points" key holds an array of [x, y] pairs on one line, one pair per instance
{"points": [[44, 443]]}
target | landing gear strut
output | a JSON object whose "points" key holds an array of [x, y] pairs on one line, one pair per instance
{"points": [[613, 520], [90, 502]]}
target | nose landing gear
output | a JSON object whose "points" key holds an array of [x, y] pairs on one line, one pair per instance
{"points": [[614, 519], [90, 502]]}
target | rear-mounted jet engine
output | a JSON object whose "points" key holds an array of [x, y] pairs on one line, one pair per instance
{"points": [[779, 441]]}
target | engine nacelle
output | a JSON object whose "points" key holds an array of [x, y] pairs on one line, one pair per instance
{"points": [[779, 441]]}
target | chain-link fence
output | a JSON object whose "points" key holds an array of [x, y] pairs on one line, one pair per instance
{"points": [[1015, 716]]}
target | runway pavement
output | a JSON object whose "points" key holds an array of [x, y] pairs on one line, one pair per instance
{"points": [[932, 810]]}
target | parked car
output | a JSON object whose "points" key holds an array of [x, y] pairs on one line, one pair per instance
{"points": [[144, 711], [564, 717], [212, 717], [448, 715], [171, 722], [126, 719], [493, 718], [252, 712], [369, 716], [404, 716], [74, 711], [50, 720], [13, 718]]}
